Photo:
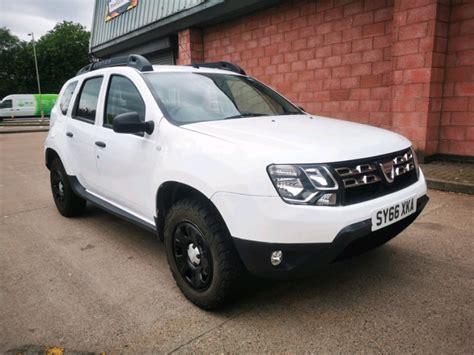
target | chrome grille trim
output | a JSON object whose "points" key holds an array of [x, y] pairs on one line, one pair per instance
{"points": [[403, 158], [359, 169], [376, 171], [362, 180]]}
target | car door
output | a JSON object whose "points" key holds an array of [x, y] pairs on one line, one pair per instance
{"points": [[6, 108], [126, 162], [81, 132], [25, 106]]}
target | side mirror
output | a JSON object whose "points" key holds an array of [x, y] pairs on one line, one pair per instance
{"points": [[130, 122]]}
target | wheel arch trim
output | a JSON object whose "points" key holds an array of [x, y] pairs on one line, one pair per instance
{"points": [[178, 190], [50, 154]]}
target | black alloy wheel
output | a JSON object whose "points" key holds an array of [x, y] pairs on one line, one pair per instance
{"points": [[192, 256], [201, 255], [68, 203], [57, 185]]}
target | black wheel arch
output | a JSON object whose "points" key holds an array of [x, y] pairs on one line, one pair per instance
{"points": [[49, 156], [169, 193]]}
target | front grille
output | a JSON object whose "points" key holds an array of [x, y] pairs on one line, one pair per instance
{"points": [[366, 179]]}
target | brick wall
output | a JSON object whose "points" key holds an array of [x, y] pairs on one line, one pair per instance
{"points": [[190, 47], [380, 62], [332, 58], [420, 30], [457, 122]]}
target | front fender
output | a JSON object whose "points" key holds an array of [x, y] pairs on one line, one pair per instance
{"points": [[209, 164]]}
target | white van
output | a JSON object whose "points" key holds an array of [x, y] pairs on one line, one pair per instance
{"points": [[26, 105]]}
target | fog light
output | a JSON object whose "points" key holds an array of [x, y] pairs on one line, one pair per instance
{"points": [[327, 200], [276, 258]]}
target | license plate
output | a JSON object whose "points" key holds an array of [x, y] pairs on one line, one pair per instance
{"points": [[391, 214]]}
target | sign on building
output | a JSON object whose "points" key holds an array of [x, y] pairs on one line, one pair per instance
{"points": [[117, 7]]}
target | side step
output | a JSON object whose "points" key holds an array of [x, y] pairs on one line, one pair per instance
{"points": [[81, 191]]}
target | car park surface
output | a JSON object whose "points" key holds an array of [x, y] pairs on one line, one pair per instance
{"points": [[98, 283]]}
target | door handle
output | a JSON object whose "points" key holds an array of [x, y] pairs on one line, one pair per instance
{"points": [[69, 134], [100, 144]]}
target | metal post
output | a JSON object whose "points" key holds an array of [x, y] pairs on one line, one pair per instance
{"points": [[37, 74]]}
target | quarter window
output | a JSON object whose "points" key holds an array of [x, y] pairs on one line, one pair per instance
{"points": [[122, 97], [66, 98], [87, 103]]}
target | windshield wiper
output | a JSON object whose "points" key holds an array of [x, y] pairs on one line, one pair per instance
{"points": [[246, 114]]}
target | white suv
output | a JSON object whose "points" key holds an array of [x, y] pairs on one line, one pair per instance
{"points": [[230, 174]]}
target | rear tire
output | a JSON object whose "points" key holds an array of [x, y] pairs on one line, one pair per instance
{"points": [[201, 255], [68, 203]]}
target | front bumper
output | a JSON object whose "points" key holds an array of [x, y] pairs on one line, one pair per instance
{"points": [[302, 259], [269, 219]]}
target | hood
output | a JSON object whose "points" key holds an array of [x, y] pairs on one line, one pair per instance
{"points": [[303, 138]]}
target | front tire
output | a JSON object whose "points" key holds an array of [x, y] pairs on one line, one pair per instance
{"points": [[201, 255], [67, 202]]}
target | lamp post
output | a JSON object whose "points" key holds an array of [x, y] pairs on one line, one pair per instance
{"points": [[37, 74]]}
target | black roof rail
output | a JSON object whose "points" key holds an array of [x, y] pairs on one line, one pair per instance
{"points": [[133, 60], [221, 65]]}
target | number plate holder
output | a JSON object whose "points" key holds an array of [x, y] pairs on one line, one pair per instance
{"points": [[393, 213]]}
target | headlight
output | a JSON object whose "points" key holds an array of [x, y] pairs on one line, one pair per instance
{"points": [[304, 184], [415, 162]]}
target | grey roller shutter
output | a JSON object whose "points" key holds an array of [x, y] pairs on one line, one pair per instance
{"points": [[163, 58]]}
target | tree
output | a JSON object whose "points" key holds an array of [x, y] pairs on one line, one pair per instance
{"points": [[7, 40], [16, 73], [61, 53]]}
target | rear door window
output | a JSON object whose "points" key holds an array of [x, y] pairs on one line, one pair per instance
{"points": [[66, 98], [86, 105]]}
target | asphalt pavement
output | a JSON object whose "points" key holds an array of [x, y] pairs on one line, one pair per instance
{"points": [[98, 283]]}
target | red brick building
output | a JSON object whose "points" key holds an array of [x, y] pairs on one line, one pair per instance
{"points": [[405, 65]]}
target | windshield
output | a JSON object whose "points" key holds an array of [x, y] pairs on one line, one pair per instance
{"points": [[196, 97]]}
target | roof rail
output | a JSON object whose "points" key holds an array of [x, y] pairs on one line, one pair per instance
{"points": [[221, 65], [133, 60]]}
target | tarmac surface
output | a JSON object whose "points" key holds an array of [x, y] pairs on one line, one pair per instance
{"points": [[98, 283]]}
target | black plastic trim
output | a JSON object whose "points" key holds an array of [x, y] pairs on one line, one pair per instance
{"points": [[82, 192], [221, 65], [302, 259], [133, 60]]}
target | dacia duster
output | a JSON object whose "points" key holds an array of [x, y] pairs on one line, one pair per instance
{"points": [[230, 174]]}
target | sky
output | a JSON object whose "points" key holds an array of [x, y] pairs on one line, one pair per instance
{"points": [[40, 16]]}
